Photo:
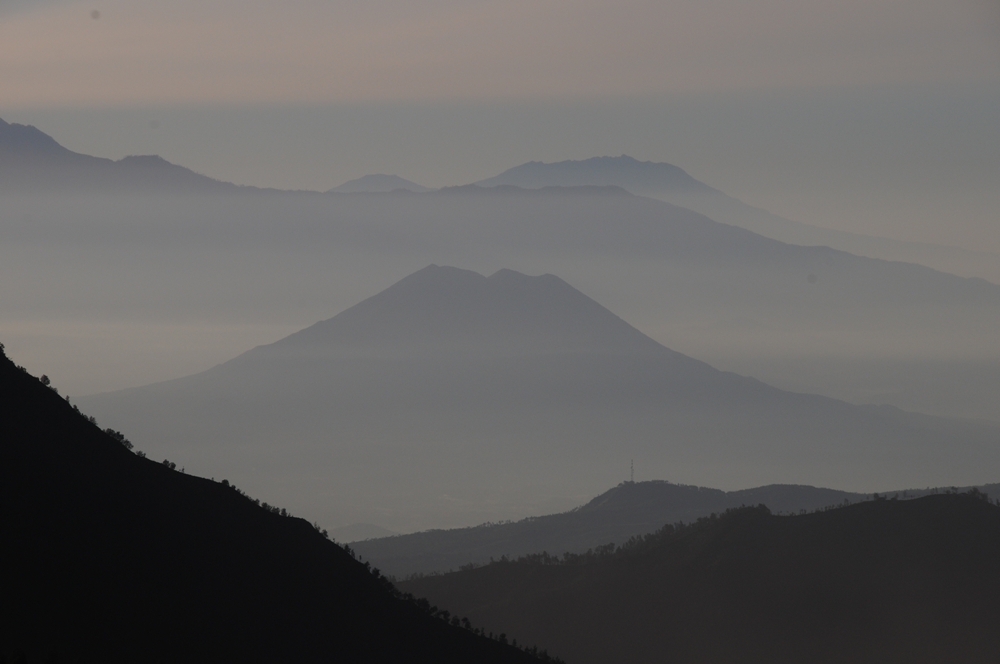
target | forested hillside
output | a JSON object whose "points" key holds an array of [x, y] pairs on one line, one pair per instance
{"points": [[878, 581], [112, 557]]}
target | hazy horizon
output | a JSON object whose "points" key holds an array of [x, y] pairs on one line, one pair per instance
{"points": [[857, 116]]}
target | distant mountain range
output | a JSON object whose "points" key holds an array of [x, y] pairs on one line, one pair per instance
{"points": [[109, 557], [802, 318], [379, 183], [879, 582], [31, 160], [670, 183], [639, 177], [451, 396], [629, 510]]}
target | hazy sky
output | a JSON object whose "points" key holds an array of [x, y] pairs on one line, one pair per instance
{"points": [[880, 116]]}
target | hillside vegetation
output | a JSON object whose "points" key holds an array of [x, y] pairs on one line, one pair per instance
{"points": [[112, 557], [878, 581]]}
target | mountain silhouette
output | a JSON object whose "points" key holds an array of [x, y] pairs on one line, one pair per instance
{"points": [[32, 161], [446, 309], [639, 177], [116, 558], [377, 183], [880, 581], [672, 184], [452, 398], [629, 510]]}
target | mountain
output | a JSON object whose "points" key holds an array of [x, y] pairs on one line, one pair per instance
{"points": [[880, 581], [378, 183], [112, 557], [452, 398], [672, 184], [631, 509], [32, 161], [446, 310], [638, 177]]}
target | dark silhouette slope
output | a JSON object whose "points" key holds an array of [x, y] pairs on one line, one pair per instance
{"points": [[111, 557], [881, 581], [32, 161], [452, 398]]}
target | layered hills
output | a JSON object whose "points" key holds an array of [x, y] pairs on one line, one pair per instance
{"points": [[112, 557], [670, 183], [244, 266], [879, 581], [452, 398], [631, 509]]}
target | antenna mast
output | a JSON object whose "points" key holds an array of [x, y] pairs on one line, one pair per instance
{"points": [[632, 471]]}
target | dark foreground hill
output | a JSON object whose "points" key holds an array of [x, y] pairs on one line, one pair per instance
{"points": [[111, 557], [453, 398], [881, 581]]}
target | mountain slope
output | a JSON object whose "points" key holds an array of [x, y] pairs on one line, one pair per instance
{"points": [[631, 509], [880, 581], [628, 510], [670, 183], [377, 183], [638, 177], [452, 398], [443, 309], [32, 161], [112, 557]]}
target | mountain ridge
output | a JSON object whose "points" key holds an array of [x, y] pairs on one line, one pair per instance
{"points": [[446, 307], [379, 183], [31, 160], [624, 512], [639, 177], [672, 184], [48, 166]]}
